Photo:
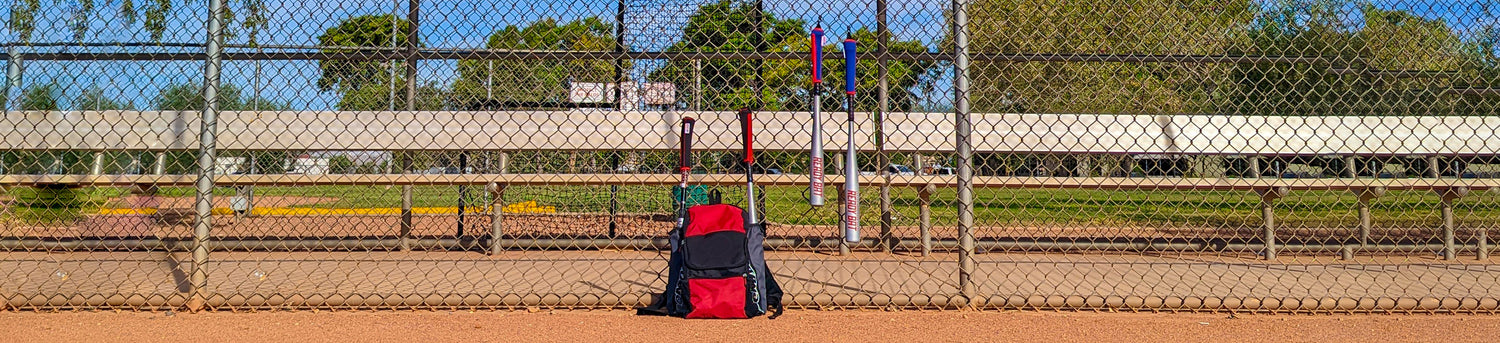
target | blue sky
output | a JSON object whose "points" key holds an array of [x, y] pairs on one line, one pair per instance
{"points": [[465, 24]]}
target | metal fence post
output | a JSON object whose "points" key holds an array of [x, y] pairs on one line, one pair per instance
{"points": [[497, 215], [1366, 221], [1268, 197], [203, 224], [882, 36], [411, 105], [1448, 196], [964, 149], [925, 221], [12, 78]]}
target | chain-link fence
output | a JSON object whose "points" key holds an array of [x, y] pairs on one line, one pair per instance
{"points": [[1223, 155]]}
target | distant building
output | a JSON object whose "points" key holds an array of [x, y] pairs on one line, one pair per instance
{"points": [[228, 165], [308, 165]]}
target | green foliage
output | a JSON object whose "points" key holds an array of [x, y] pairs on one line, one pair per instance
{"points": [[362, 31], [367, 85], [537, 81], [1371, 61], [1204, 27], [42, 97], [152, 14], [1391, 64], [340, 164], [94, 99], [731, 26], [904, 77], [189, 97], [377, 97]]}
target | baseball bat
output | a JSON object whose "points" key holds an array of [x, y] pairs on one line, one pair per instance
{"points": [[745, 120], [684, 165], [851, 161], [815, 161]]}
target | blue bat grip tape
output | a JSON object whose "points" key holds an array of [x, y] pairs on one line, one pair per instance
{"points": [[817, 55], [849, 63]]}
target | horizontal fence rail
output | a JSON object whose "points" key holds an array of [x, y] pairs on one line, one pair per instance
{"points": [[634, 130]]}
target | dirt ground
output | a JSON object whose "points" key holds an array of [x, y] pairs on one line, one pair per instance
{"points": [[794, 326]]}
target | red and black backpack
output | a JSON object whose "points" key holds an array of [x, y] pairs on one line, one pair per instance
{"points": [[717, 268]]}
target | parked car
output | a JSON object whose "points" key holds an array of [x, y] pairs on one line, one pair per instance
{"points": [[897, 169], [766, 170]]}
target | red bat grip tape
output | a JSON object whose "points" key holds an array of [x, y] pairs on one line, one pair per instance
{"points": [[749, 140]]}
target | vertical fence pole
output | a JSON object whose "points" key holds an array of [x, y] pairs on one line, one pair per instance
{"points": [[1448, 196], [882, 161], [1366, 221], [619, 48], [1268, 197], [98, 167], [757, 44], [202, 223], [396, 8], [411, 105], [962, 145], [12, 78], [497, 215], [1255, 169], [697, 85], [925, 217], [620, 99], [159, 166], [1483, 236]]}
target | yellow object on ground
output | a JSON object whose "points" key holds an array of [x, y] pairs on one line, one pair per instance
{"points": [[529, 207]]}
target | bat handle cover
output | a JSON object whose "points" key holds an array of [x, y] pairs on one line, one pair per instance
{"points": [[685, 161], [849, 63], [817, 55], [745, 121]]}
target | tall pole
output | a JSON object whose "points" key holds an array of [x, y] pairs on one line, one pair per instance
{"points": [[962, 145], [697, 85], [757, 44], [619, 48], [12, 78], [411, 105], [614, 156], [883, 95], [394, 26], [206, 146]]}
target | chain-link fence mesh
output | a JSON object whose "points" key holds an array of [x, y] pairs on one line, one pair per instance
{"points": [[1292, 155]]}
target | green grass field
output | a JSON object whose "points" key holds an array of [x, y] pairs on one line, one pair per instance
{"points": [[787, 205]]}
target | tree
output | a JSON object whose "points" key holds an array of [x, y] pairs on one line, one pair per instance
{"points": [[189, 97], [377, 31], [93, 99], [904, 77], [731, 26], [537, 81], [1102, 27], [377, 97], [42, 97], [1393, 63], [367, 85], [340, 164], [152, 14], [1477, 84]]}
